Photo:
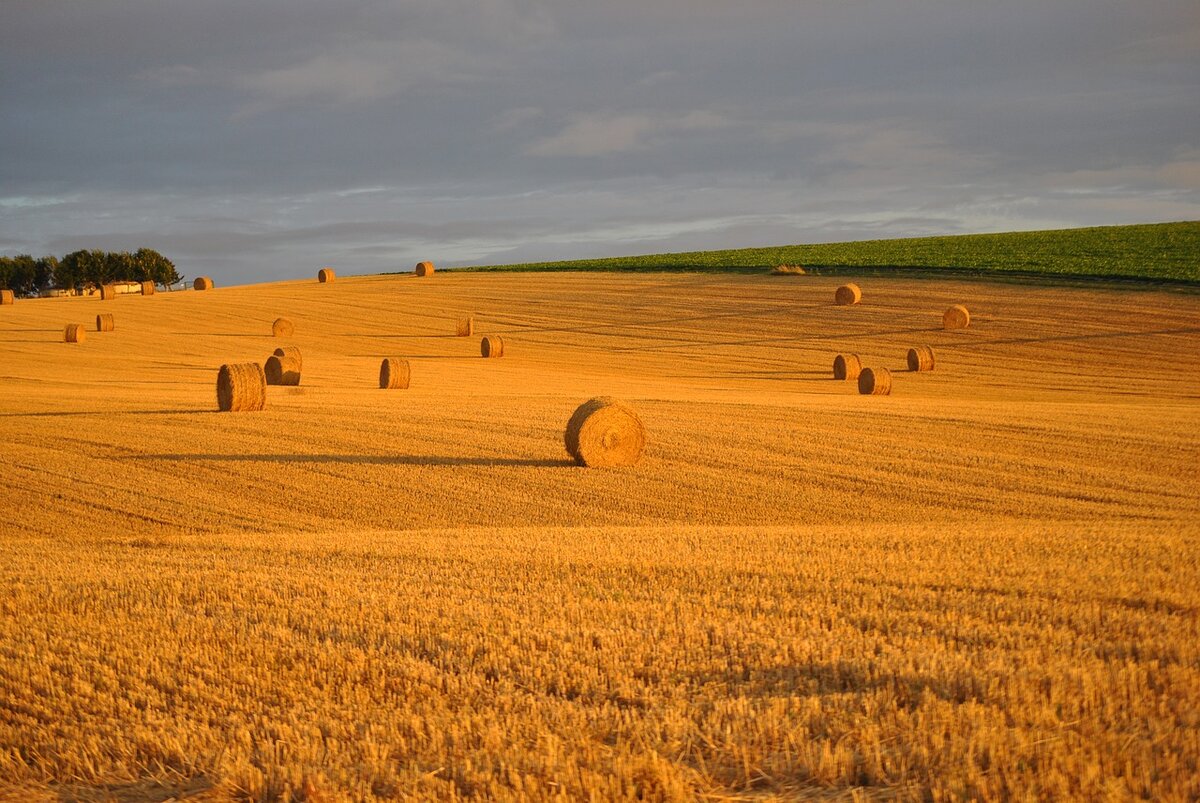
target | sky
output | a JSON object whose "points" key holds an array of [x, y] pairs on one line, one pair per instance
{"points": [[261, 141]]}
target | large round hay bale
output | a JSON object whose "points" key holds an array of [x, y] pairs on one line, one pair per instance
{"points": [[147, 288], [203, 283], [466, 327], [241, 387], [605, 432], [875, 382], [394, 373], [74, 333], [7, 297], [105, 323], [846, 366], [920, 358], [957, 317], [283, 328], [293, 352], [424, 269], [282, 370], [847, 294], [107, 292], [325, 275], [491, 346]]}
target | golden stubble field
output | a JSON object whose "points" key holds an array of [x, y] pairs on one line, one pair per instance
{"points": [[985, 585]]}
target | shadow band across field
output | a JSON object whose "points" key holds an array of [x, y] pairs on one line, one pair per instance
{"points": [[380, 459]]}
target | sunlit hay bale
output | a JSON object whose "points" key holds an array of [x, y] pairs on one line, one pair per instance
{"points": [[847, 294], [491, 346], [241, 387], [107, 292], [920, 358], [7, 297], [104, 323], [147, 288], [424, 269], [282, 328], [875, 382], [74, 333], [605, 432], [325, 275], [282, 370], [394, 373], [293, 352], [957, 317], [466, 327], [203, 283], [846, 366]]}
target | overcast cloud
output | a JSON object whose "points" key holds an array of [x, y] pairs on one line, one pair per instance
{"points": [[259, 141]]}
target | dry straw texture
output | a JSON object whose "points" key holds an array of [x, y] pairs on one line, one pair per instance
{"points": [[424, 269], [282, 370], [147, 288], [605, 432], [6, 297], [283, 328], [957, 317], [491, 346], [74, 333], [875, 382], [291, 351], [847, 294], [920, 358], [846, 366], [203, 283], [325, 275], [393, 373], [104, 323], [787, 270], [107, 292], [241, 387], [466, 327]]}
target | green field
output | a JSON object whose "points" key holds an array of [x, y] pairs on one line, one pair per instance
{"points": [[1160, 251]]}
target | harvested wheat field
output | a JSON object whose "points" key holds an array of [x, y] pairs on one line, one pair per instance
{"points": [[983, 585]]}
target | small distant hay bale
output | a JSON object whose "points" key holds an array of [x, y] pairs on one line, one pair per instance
{"points": [[605, 432], [147, 288], [920, 358], [104, 323], [491, 346], [7, 297], [241, 387], [787, 270], [846, 366], [875, 382], [203, 283], [465, 327], [847, 294], [283, 328], [957, 317], [283, 370], [325, 276], [394, 373], [424, 269], [74, 333], [293, 352], [108, 292]]}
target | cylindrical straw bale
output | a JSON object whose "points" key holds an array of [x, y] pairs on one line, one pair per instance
{"points": [[241, 387], [875, 382], [920, 358], [466, 327], [283, 328], [424, 269], [394, 373], [104, 323], [491, 346], [203, 283], [74, 333], [957, 317], [107, 292], [293, 352], [605, 432], [847, 294], [6, 297], [147, 288], [325, 275], [846, 366], [282, 370]]}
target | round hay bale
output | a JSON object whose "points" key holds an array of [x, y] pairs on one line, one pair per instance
{"points": [[847, 294], [491, 346], [424, 269], [104, 323], [74, 333], [325, 275], [7, 297], [466, 327], [283, 328], [147, 288], [957, 317], [394, 373], [920, 358], [241, 387], [203, 283], [605, 432], [282, 370], [875, 382], [293, 352], [846, 366], [107, 292]]}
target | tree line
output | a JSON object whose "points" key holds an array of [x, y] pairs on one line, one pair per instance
{"points": [[27, 276]]}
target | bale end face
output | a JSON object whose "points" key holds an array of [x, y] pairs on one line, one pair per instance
{"points": [[957, 317], [282, 370], [424, 269], [847, 294], [920, 358], [203, 283], [875, 382], [241, 387], [105, 323], [290, 351], [605, 432], [74, 333], [394, 373], [491, 346], [7, 297], [846, 366], [282, 327], [325, 275], [465, 327]]}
